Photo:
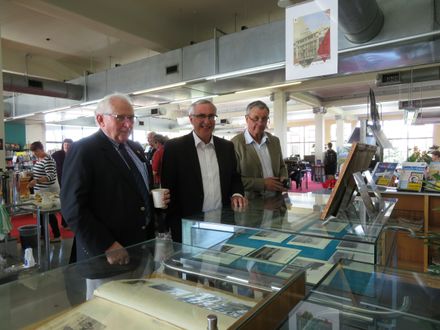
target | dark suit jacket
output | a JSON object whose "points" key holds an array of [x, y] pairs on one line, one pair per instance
{"points": [[181, 174], [58, 157], [99, 198]]}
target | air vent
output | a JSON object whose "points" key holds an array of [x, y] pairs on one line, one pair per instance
{"points": [[319, 110], [172, 69], [35, 83], [154, 111], [389, 78], [408, 76]]}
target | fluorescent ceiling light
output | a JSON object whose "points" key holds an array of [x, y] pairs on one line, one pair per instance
{"points": [[268, 87], [22, 116], [89, 103], [158, 88], [57, 109], [247, 71]]}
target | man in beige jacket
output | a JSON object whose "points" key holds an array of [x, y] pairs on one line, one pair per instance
{"points": [[259, 157]]}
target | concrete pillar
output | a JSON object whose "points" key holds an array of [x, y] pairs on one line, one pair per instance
{"points": [[339, 132], [436, 134], [319, 134], [279, 119], [2, 112]]}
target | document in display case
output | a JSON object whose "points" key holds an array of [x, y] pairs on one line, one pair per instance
{"points": [[356, 295], [164, 286]]}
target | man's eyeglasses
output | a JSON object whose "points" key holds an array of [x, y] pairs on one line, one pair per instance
{"points": [[203, 116], [121, 118], [258, 119]]}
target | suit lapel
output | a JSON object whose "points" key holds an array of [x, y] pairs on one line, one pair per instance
{"points": [[250, 150], [194, 159], [273, 156], [115, 160], [221, 160]]}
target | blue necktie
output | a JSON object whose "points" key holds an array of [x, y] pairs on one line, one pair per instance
{"points": [[140, 183]]}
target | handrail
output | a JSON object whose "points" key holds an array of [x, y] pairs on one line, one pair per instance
{"points": [[215, 277]]}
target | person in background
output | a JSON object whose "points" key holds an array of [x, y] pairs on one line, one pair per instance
{"points": [[152, 149], [200, 170], [159, 141], [105, 195], [330, 162], [44, 179], [58, 157], [259, 157], [435, 155]]}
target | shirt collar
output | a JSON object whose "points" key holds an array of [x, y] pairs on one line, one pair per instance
{"points": [[249, 139], [197, 140]]}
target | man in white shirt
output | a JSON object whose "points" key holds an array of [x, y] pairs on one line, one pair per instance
{"points": [[259, 155], [200, 170]]}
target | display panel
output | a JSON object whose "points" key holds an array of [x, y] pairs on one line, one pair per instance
{"points": [[358, 160]]}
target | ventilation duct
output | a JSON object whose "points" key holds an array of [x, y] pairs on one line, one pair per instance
{"points": [[408, 77], [361, 20], [38, 86], [421, 103]]}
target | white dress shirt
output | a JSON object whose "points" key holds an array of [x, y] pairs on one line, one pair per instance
{"points": [[210, 174], [262, 152]]}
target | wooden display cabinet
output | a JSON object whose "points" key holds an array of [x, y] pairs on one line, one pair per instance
{"points": [[417, 209]]}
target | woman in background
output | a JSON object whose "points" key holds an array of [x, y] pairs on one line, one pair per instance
{"points": [[159, 142], [44, 178]]}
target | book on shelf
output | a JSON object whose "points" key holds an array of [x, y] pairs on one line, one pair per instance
{"points": [[432, 182], [383, 174], [411, 176]]}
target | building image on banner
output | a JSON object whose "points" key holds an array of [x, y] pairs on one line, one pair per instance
{"points": [[312, 39]]}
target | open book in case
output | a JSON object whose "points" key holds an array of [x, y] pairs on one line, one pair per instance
{"points": [[165, 286]]}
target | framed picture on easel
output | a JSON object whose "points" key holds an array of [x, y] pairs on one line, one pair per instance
{"points": [[358, 160]]}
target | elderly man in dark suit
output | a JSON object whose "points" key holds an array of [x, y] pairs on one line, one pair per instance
{"points": [[105, 190], [200, 170]]}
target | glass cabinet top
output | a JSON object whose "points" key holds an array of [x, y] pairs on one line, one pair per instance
{"points": [[365, 296], [298, 213], [164, 285]]}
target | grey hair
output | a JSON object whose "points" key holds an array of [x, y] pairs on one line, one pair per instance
{"points": [[257, 104], [158, 138], [106, 105], [203, 101]]}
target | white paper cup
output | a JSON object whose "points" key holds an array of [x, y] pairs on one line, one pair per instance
{"points": [[158, 197]]}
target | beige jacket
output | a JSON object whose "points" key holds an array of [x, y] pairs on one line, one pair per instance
{"points": [[249, 165]]}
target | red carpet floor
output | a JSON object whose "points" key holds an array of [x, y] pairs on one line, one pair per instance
{"points": [[30, 219], [312, 186]]}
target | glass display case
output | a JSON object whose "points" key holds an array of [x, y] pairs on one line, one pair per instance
{"points": [[163, 285], [356, 295], [292, 222]]}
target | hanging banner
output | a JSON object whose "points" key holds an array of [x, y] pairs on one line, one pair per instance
{"points": [[312, 39]]}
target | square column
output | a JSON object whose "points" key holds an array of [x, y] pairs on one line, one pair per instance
{"points": [[279, 115]]}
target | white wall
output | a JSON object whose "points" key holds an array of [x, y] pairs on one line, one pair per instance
{"points": [[35, 132]]}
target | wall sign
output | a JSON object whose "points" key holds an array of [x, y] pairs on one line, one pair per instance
{"points": [[312, 39]]}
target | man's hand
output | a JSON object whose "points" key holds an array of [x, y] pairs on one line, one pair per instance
{"points": [[166, 198], [117, 255], [273, 184], [238, 202]]}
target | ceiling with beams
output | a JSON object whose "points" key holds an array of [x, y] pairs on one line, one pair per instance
{"points": [[62, 40]]}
